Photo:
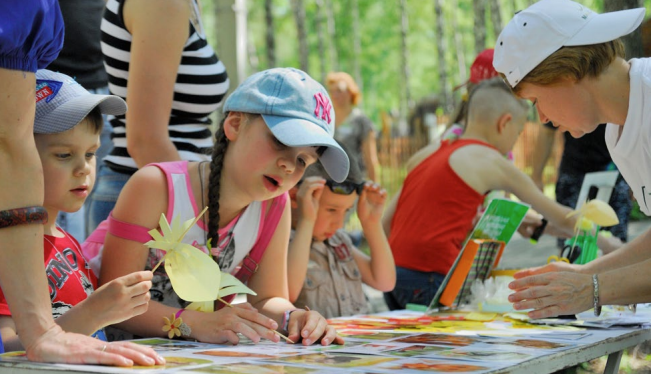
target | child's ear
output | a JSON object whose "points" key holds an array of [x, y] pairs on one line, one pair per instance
{"points": [[233, 125], [502, 121]]}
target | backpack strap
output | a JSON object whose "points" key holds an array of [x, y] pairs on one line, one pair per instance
{"points": [[251, 261]]}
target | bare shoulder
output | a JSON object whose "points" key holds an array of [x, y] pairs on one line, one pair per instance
{"points": [[481, 167], [421, 155], [143, 198]]}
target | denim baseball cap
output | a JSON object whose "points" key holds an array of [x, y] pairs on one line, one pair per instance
{"points": [[543, 28], [297, 110], [61, 103]]}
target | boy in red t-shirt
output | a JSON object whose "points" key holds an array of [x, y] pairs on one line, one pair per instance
{"points": [[67, 126], [440, 196]]}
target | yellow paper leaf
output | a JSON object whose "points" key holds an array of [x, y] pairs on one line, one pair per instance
{"points": [[231, 285], [202, 306], [194, 277], [598, 212]]}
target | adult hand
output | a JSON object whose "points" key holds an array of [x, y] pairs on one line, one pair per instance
{"points": [[308, 196], [555, 289], [370, 206], [311, 326], [223, 325], [120, 299], [62, 347]]}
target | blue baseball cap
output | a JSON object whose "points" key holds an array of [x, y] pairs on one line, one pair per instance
{"points": [[297, 110]]}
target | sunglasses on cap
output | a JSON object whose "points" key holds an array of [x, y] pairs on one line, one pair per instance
{"points": [[345, 188]]}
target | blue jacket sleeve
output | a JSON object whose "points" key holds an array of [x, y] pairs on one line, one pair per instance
{"points": [[31, 33]]}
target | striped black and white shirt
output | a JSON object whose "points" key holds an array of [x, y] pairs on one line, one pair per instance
{"points": [[201, 84]]}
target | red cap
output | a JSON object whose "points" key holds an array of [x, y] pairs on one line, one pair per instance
{"points": [[482, 68]]}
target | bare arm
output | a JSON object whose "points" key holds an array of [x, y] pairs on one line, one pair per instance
{"points": [[485, 170], [387, 217], [307, 200], [560, 288], [21, 185], [123, 257], [421, 155], [378, 270], [114, 302], [270, 284], [160, 30], [369, 153], [543, 148]]}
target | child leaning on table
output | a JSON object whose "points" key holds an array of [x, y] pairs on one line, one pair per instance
{"points": [[276, 123], [66, 130], [325, 269], [439, 198]]}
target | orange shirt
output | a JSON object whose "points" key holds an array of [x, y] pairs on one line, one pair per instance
{"points": [[434, 213]]}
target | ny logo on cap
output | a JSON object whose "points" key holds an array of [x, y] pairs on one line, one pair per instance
{"points": [[322, 105], [47, 90]]}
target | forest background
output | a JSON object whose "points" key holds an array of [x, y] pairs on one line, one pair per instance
{"points": [[406, 55]]}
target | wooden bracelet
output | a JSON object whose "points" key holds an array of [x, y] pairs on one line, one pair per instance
{"points": [[23, 216]]}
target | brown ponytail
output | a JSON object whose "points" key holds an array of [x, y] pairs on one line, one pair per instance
{"points": [[216, 166]]}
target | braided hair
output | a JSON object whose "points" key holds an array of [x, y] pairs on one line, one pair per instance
{"points": [[216, 166]]}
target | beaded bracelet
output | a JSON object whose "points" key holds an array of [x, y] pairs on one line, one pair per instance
{"points": [[22, 216], [595, 295], [285, 325]]}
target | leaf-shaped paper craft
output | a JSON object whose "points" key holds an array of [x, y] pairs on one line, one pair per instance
{"points": [[598, 212], [231, 285], [202, 306], [193, 275]]}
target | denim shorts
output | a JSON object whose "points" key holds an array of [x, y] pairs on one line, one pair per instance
{"points": [[104, 196], [413, 287]]}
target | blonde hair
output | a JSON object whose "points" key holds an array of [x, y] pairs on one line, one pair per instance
{"points": [[575, 63], [490, 99], [334, 78]]}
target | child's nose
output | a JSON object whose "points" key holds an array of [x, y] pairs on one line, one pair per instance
{"points": [[288, 164], [84, 168]]}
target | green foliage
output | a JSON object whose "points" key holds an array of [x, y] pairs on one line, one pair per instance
{"points": [[380, 57]]}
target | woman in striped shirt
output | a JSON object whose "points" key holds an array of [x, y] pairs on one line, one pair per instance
{"points": [[158, 60]]}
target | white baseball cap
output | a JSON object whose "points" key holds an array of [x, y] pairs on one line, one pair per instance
{"points": [[540, 30], [61, 103]]}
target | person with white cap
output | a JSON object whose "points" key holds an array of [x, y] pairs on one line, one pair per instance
{"points": [[67, 126], [568, 61], [277, 122]]}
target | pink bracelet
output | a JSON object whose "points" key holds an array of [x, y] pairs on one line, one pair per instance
{"points": [[178, 314]]}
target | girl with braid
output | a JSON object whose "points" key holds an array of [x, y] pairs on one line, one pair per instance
{"points": [[276, 123]]}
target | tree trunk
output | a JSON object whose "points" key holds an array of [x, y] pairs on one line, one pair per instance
{"points": [[334, 56], [270, 39], [404, 30], [479, 8], [321, 38], [458, 43], [496, 17], [357, 44], [299, 16], [440, 51], [632, 41]]}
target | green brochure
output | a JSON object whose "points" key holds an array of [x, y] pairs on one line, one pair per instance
{"points": [[498, 222]]}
